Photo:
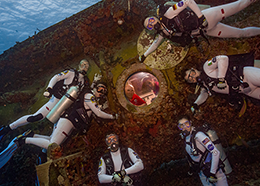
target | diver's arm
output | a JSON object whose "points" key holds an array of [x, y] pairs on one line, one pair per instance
{"points": [[63, 75], [154, 45], [178, 7], [217, 66], [138, 164], [202, 97], [208, 144], [222, 62], [102, 176], [90, 102]]}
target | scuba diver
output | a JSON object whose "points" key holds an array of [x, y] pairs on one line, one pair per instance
{"points": [[179, 24], [202, 154], [120, 165], [232, 75], [78, 116], [57, 87]]}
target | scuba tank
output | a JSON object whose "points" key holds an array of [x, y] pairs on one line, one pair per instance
{"points": [[64, 103], [214, 137]]}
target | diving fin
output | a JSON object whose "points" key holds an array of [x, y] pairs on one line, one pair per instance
{"points": [[6, 154], [18, 141]]}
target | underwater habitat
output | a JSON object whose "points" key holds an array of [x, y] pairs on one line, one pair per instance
{"points": [[112, 37]]}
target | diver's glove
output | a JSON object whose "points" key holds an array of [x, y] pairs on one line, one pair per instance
{"points": [[127, 180], [116, 178], [203, 23], [121, 173], [212, 178], [97, 77], [221, 83], [142, 58], [246, 87], [48, 92], [194, 108], [115, 116]]}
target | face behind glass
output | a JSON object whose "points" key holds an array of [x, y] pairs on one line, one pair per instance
{"points": [[113, 143], [184, 124], [84, 65], [111, 139], [100, 90], [129, 92], [150, 22]]}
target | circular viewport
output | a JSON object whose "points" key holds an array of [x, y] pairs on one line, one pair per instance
{"points": [[141, 88]]}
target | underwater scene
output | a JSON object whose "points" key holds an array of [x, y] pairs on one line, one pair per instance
{"points": [[130, 92]]}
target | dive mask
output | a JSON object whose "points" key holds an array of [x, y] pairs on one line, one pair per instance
{"points": [[184, 126], [112, 142], [150, 25], [101, 89]]}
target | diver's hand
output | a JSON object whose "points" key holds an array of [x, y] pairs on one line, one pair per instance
{"points": [[115, 116], [221, 83], [116, 177], [48, 92], [194, 108], [97, 77], [142, 58], [212, 179], [127, 180], [121, 173]]}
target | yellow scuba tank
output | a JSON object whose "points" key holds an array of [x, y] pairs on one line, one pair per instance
{"points": [[214, 137], [64, 103]]}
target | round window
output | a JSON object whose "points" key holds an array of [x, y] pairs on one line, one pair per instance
{"points": [[141, 88]]}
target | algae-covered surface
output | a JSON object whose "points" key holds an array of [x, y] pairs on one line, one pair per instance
{"points": [[166, 56]]}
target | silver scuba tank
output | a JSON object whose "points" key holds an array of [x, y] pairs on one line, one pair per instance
{"points": [[64, 103], [213, 136]]}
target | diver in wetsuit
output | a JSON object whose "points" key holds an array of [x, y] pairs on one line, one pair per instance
{"points": [[78, 116], [233, 75], [202, 154], [180, 25], [120, 165], [57, 87]]}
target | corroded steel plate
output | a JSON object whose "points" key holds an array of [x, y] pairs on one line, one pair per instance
{"points": [[166, 56]]}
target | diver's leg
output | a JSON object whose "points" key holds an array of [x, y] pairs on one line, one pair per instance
{"points": [[218, 13], [40, 142], [226, 31], [40, 114], [42, 136], [64, 127], [252, 77], [62, 131], [222, 179]]}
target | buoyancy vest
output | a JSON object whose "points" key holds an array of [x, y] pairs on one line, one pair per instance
{"points": [[236, 65], [77, 113], [234, 75], [126, 160], [207, 82], [185, 22], [202, 164], [60, 89]]}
